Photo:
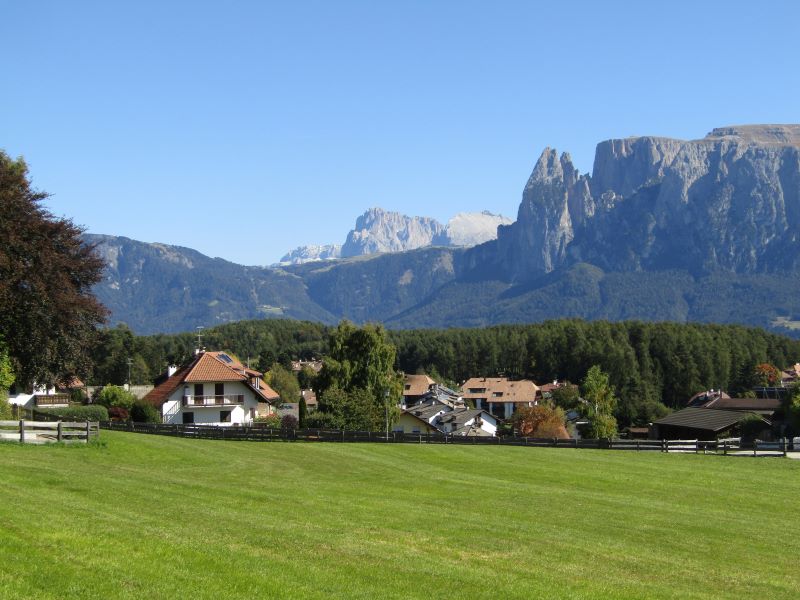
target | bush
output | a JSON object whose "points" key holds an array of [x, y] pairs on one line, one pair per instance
{"points": [[272, 421], [288, 423], [114, 395], [78, 413], [144, 412], [320, 420], [117, 413]]}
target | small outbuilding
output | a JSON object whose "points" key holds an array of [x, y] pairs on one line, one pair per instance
{"points": [[699, 423]]}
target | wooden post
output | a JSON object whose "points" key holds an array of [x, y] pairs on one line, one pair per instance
{"points": [[725, 448], [21, 431], [87, 430], [58, 435], [664, 446], [755, 447], [784, 445]]}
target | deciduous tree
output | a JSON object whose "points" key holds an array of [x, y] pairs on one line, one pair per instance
{"points": [[48, 314]]}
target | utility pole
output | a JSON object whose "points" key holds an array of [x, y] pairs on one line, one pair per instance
{"points": [[200, 337], [130, 362]]}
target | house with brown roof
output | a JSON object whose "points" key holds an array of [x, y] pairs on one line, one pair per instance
{"points": [[499, 396], [213, 389], [415, 387]]}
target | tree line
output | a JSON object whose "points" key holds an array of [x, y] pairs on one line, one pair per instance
{"points": [[651, 366]]}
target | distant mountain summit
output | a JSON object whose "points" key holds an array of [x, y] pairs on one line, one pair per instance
{"points": [[304, 254], [378, 231]]}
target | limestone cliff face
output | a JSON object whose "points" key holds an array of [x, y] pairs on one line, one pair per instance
{"points": [[556, 202], [378, 230], [729, 201]]}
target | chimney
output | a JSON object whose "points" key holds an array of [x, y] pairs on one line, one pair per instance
{"points": [[171, 369]]}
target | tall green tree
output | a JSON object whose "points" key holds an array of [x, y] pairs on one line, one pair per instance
{"points": [[48, 315], [361, 363], [601, 402], [283, 381]]}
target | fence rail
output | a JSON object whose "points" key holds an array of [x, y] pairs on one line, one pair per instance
{"points": [[732, 446], [47, 432]]}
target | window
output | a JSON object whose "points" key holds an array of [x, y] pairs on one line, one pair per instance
{"points": [[198, 389], [477, 390], [219, 389], [224, 416], [188, 417], [408, 386], [497, 394]]}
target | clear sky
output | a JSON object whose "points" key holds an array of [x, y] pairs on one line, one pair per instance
{"points": [[244, 129]]}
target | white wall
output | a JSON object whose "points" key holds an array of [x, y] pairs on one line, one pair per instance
{"points": [[209, 415]]}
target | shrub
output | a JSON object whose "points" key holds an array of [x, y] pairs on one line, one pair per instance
{"points": [[288, 423], [320, 420], [144, 412], [272, 421], [78, 413], [114, 395], [117, 413]]}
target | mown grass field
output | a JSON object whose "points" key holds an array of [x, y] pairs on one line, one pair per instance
{"points": [[156, 517]]}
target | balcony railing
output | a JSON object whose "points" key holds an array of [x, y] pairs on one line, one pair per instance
{"points": [[213, 400], [51, 399]]}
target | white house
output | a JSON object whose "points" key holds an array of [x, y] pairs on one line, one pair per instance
{"points": [[42, 396], [434, 416], [213, 389]]}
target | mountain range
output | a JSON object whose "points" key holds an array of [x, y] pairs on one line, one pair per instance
{"points": [[662, 229], [378, 231]]}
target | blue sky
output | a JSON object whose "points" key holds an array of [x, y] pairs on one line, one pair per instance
{"points": [[243, 129]]}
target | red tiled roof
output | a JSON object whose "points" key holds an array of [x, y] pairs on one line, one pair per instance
{"points": [[210, 368], [523, 390], [159, 394], [267, 392]]}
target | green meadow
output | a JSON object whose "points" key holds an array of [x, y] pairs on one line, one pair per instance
{"points": [[139, 516]]}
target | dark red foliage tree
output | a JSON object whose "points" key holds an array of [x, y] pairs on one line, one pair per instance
{"points": [[48, 315]]}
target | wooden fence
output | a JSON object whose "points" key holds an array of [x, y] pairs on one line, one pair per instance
{"points": [[46, 432], [733, 446]]}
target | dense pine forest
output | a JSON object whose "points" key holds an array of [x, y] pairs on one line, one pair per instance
{"points": [[653, 366]]}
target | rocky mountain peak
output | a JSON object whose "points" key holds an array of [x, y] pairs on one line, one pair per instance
{"points": [[729, 202], [378, 230]]}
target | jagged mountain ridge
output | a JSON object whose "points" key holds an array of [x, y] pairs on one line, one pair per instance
{"points": [[378, 230], [729, 201], [663, 229]]}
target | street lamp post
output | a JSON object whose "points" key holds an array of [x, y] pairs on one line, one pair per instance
{"points": [[386, 409]]}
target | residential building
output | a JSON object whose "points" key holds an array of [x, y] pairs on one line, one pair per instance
{"points": [[499, 396], [436, 417], [46, 396], [415, 387], [213, 389], [468, 422]]}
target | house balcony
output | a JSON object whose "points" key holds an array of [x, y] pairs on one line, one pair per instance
{"points": [[51, 399], [226, 400]]}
